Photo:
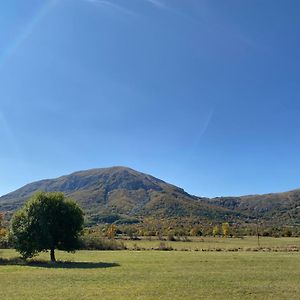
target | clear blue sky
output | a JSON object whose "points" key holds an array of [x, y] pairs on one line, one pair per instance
{"points": [[202, 94]]}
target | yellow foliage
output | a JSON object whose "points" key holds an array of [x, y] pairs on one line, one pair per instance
{"points": [[111, 231], [216, 231], [3, 232], [226, 229]]}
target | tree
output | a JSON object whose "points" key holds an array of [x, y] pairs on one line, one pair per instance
{"points": [[48, 221], [196, 231], [111, 231], [2, 227], [216, 231], [225, 229]]}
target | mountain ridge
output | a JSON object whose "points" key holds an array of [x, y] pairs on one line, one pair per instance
{"points": [[122, 191], [128, 193]]}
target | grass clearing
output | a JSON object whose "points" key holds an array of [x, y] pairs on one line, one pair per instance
{"points": [[154, 275], [210, 243]]}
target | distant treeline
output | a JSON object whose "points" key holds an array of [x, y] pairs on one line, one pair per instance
{"points": [[179, 229], [102, 236]]}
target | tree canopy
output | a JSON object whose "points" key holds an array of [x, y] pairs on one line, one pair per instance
{"points": [[48, 221]]}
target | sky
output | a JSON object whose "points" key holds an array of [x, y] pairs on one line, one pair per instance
{"points": [[202, 94]]}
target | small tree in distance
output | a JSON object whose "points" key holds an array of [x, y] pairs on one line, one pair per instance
{"points": [[2, 228], [226, 229], [216, 230], [111, 231], [47, 221]]}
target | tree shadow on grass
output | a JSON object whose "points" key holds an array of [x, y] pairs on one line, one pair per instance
{"points": [[56, 265]]}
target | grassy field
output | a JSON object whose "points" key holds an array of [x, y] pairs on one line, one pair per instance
{"points": [[155, 275], [211, 243]]}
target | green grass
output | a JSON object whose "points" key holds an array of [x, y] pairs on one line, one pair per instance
{"points": [[154, 275], [210, 243]]}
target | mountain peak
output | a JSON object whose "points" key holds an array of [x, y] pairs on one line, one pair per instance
{"points": [[124, 191], [116, 190]]}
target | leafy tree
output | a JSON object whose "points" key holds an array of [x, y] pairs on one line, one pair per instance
{"points": [[225, 229], [111, 231], [2, 227], [48, 221], [196, 231], [216, 231]]}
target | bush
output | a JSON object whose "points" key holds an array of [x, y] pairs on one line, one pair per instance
{"points": [[92, 242], [196, 231], [171, 237], [5, 243], [164, 247], [287, 232]]}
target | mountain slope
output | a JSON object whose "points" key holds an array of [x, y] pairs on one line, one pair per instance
{"points": [[279, 208], [120, 191], [109, 194]]}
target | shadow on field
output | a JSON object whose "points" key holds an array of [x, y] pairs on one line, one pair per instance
{"points": [[56, 265]]}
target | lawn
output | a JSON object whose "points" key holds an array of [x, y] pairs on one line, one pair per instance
{"points": [[155, 275]]}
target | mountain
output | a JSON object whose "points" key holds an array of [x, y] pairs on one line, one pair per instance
{"points": [[124, 195], [109, 194], [275, 208]]}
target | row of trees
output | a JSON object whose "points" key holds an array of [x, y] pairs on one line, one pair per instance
{"points": [[225, 230], [162, 228]]}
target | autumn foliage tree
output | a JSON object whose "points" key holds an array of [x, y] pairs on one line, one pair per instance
{"points": [[216, 230], [225, 229], [2, 227], [111, 231], [48, 221]]}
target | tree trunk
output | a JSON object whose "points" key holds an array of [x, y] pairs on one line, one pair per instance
{"points": [[52, 255]]}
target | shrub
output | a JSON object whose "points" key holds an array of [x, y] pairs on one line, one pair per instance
{"points": [[5, 242], [287, 232], [196, 231], [171, 237], [92, 242], [162, 246]]}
